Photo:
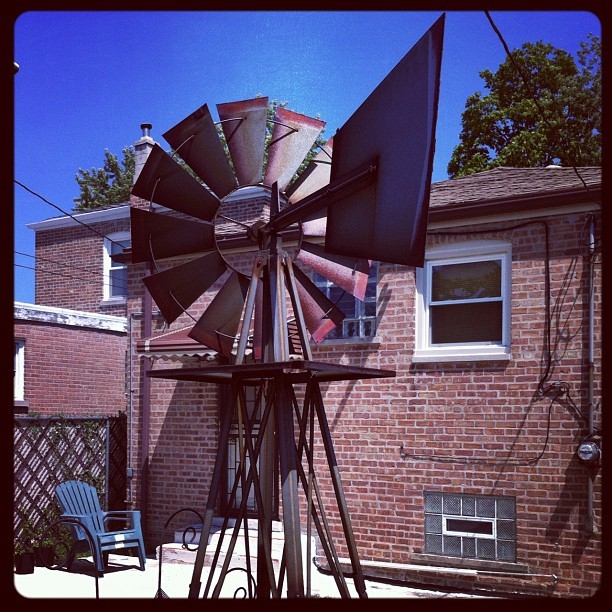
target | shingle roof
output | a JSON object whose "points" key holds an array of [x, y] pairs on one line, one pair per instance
{"points": [[507, 183]]}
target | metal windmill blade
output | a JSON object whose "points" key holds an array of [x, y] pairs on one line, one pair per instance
{"points": [[244, 126], [158, 236]]}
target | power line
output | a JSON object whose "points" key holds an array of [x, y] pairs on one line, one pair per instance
{"points": [[67, 213], [532, 97], [39, 258]]}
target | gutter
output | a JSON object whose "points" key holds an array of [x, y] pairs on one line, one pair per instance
{"points": [[513, 205]]}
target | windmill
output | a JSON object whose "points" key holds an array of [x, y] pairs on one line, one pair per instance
{"points": [[364, 197]]}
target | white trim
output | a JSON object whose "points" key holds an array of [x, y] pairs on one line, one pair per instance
{"points": [[123, 211], [469, 534], [19, 370], [514, 216], [89, 217], [460, 252], [65, 316]]}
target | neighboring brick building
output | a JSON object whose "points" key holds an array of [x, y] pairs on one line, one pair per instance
{"points": [[462, 470], [65, 361]]}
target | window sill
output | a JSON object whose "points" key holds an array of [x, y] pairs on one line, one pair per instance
{"points": [[467, 354], [118, 301], [471, 563], [371, 340]]}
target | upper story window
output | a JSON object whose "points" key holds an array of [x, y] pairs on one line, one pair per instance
{"points": [[463, 302], [360, 320], [19, 370], [115, 274]]}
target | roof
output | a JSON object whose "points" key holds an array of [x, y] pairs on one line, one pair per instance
{"points": [[527, 187]]}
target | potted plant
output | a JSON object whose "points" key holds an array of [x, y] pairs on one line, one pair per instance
{"points": [[24, 547]]}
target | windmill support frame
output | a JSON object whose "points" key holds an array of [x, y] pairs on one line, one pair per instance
{"points": [[273, 439]]}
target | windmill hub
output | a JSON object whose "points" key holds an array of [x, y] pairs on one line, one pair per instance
{"points": [[241, 221]]}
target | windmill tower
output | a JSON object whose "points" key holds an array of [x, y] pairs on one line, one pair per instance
{"points": [[364, 197]]}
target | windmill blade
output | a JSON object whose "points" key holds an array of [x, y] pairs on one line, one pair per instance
{"points": [[395, 129], [292, 137], [174, 290], [349, 273], [156, 236], [320, 314], [162, 180], [244, 126], [315, 176], [197, 141], [218, 326]]}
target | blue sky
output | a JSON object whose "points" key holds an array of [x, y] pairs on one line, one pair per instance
{"points": [[88, 79]]}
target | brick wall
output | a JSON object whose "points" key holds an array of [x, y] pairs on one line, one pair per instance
{"points": [[73, 371], [470, 427], [69, 267]]}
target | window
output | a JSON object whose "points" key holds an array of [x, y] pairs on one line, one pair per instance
{"points": [[463, 302], [19, 370], [115, 274], [360, 320], [470, 526]]}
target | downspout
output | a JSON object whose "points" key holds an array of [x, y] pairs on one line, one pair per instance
{"points": [[591, 366], [146, 409]]}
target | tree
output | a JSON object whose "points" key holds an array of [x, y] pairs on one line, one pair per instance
{"points": [[541, 109], [113, 183], [108, 185]]}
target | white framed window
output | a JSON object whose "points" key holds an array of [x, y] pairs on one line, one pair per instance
{"points": [[115, 274], [360, 319], [463, 302], [19, 370]]}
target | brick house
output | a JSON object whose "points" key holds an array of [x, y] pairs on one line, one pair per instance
{"points": [[462, 470]]}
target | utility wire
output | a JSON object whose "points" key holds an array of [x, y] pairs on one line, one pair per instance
{"points": [[67, 213], [39, 258], [532, 96]]}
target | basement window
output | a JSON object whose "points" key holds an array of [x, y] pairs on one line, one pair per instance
{"points": [[470, 526]]}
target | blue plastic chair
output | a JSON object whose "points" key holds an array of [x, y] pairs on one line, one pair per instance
{"points": [[79, 500]]}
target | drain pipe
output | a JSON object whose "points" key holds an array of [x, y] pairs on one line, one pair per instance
{"points": [[591, 367]]}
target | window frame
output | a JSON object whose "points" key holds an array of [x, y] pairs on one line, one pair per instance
{"points": [[19, 371], [109, 266], [459, 253]]}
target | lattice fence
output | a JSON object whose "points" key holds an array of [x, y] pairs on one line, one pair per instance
{"points": [[50, 450]]}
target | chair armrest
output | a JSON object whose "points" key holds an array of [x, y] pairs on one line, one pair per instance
{"points": [[131, 516]]}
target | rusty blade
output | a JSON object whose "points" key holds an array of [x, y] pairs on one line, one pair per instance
{"points": [[175, 289], [292, 137], [156, 236], [163, 181], [197, 141], [395, 126], [320, 314], [315, 176], [244, 127], [217, 327], [349, 273]]}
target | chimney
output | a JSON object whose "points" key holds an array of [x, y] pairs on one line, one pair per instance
{"points": [[142, 148]]}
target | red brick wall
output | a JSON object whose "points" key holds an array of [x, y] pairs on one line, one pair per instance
{"points": [[73, 371], [469, 427], [69, 268]]}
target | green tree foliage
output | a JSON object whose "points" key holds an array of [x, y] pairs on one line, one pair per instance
{"points": [[112, 183], [542, 108], [108, 185]]}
